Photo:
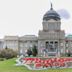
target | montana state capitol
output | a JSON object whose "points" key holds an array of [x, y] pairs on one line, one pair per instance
{"points": [[50, 39]]}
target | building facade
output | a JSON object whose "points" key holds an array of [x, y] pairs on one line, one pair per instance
{"points": [[50, 41]]}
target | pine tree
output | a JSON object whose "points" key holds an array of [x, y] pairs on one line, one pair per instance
{"points": [[34, 51]]}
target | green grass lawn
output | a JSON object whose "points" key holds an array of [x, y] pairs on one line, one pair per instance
{"points": [[9, 66]]}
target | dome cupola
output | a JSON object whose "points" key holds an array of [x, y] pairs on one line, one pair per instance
{"points": [[51, 14]]}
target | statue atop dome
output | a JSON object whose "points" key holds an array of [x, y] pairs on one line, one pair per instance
{"points": [[51, 6]]}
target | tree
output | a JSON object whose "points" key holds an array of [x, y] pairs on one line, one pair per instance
{"points": [[34, 51], [29, 52]]}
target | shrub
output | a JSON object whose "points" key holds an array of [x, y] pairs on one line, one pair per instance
{"points": [[29, 52], [2, 59], [7, 53], [68, 54], [34, 51]]}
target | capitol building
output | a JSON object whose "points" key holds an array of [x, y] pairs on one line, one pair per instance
{"points": [[50, 40]]}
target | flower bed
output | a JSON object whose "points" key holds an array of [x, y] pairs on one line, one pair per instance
{"points": [[38, 63]]}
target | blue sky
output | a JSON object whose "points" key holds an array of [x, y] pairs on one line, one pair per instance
{"points": [[22, 17]]}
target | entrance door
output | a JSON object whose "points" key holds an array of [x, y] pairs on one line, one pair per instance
{"points": [[52, 46]]}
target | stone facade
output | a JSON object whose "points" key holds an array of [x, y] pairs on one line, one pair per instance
{"points": [[20, 44]]}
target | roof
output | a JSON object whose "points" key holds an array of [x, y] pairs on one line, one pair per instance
{"points": [[51, 14], [28, 37], [11, 38], [69, 36]]}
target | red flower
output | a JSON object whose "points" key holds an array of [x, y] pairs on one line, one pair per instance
{"points": [[38, 65]]}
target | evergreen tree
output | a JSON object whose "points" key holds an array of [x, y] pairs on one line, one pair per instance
{"points": [[29, 52], [34, 51]]}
